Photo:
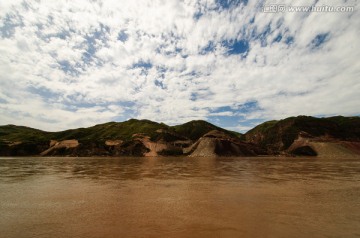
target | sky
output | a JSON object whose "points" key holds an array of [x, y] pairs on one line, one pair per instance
{"points": [[69, 64]]}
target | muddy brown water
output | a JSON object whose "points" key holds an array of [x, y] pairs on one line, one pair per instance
{"points": [[179, 197]]}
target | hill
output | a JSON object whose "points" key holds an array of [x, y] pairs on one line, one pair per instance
{"points": [[218, 143], [302, 135], [112, 138], [13, 133], [196, 129], [111, 131], [277, 136]]}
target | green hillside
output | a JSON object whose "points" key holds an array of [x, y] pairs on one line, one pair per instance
{"points": [[196, 129], [279, 135], [14, 133], [112, 130], [272, 136]]}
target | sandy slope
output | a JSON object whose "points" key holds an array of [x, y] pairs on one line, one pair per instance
{"points": [[327, 147], [58, 145], [336, 149]]}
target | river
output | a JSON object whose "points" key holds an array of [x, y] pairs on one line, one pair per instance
{"points": [[179, 197]]}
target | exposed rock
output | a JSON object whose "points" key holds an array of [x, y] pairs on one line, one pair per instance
{"points": [[133, 148], [278, 136], [300, 135], [204, 147], [352, 145], [15, 143], [217, 143], [62, 145], [334, 149], [156, 148], [153, 147], [323, 146], [113, 142], [53, 142], [182, 143]]}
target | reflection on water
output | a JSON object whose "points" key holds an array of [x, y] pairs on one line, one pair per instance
{"points": [[264, 169], [179, 197]]}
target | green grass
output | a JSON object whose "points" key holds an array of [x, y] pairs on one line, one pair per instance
{"points": [[21, 133], [112, 131], [196, 129], [272, 132], [263, 127]]}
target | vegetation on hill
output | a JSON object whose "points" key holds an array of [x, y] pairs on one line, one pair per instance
{"points": [[12, 133], [113, 131], [196, 129], [279, 135], [123, 138]]}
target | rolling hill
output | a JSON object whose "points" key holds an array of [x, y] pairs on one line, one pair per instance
{"points": [[302, 135], [103, 139], [277, 136]]}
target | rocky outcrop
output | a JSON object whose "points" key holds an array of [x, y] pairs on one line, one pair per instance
{"points": [[308, 145], [202, 148], [278, 136], [217, 143], [57, 147], [300, 135], [156, 148], [113, 142], [152, 147], [131, 148]]}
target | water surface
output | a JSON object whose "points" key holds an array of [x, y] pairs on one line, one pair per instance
{"points": [[179, 197]]}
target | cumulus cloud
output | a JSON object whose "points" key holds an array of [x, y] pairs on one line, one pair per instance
{"points": [[68, 64]]}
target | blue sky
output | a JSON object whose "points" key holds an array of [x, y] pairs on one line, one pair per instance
{"points": [[68, 64]]}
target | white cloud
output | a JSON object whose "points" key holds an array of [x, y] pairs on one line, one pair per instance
{"points": [[62, 64]]}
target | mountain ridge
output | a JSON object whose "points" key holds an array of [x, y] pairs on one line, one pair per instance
{"points": [[275, 136], [290, 136], [111, 138], [106, 130]]}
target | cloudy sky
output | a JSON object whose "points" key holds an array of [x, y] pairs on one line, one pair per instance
{"points": [[67, 64]]}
